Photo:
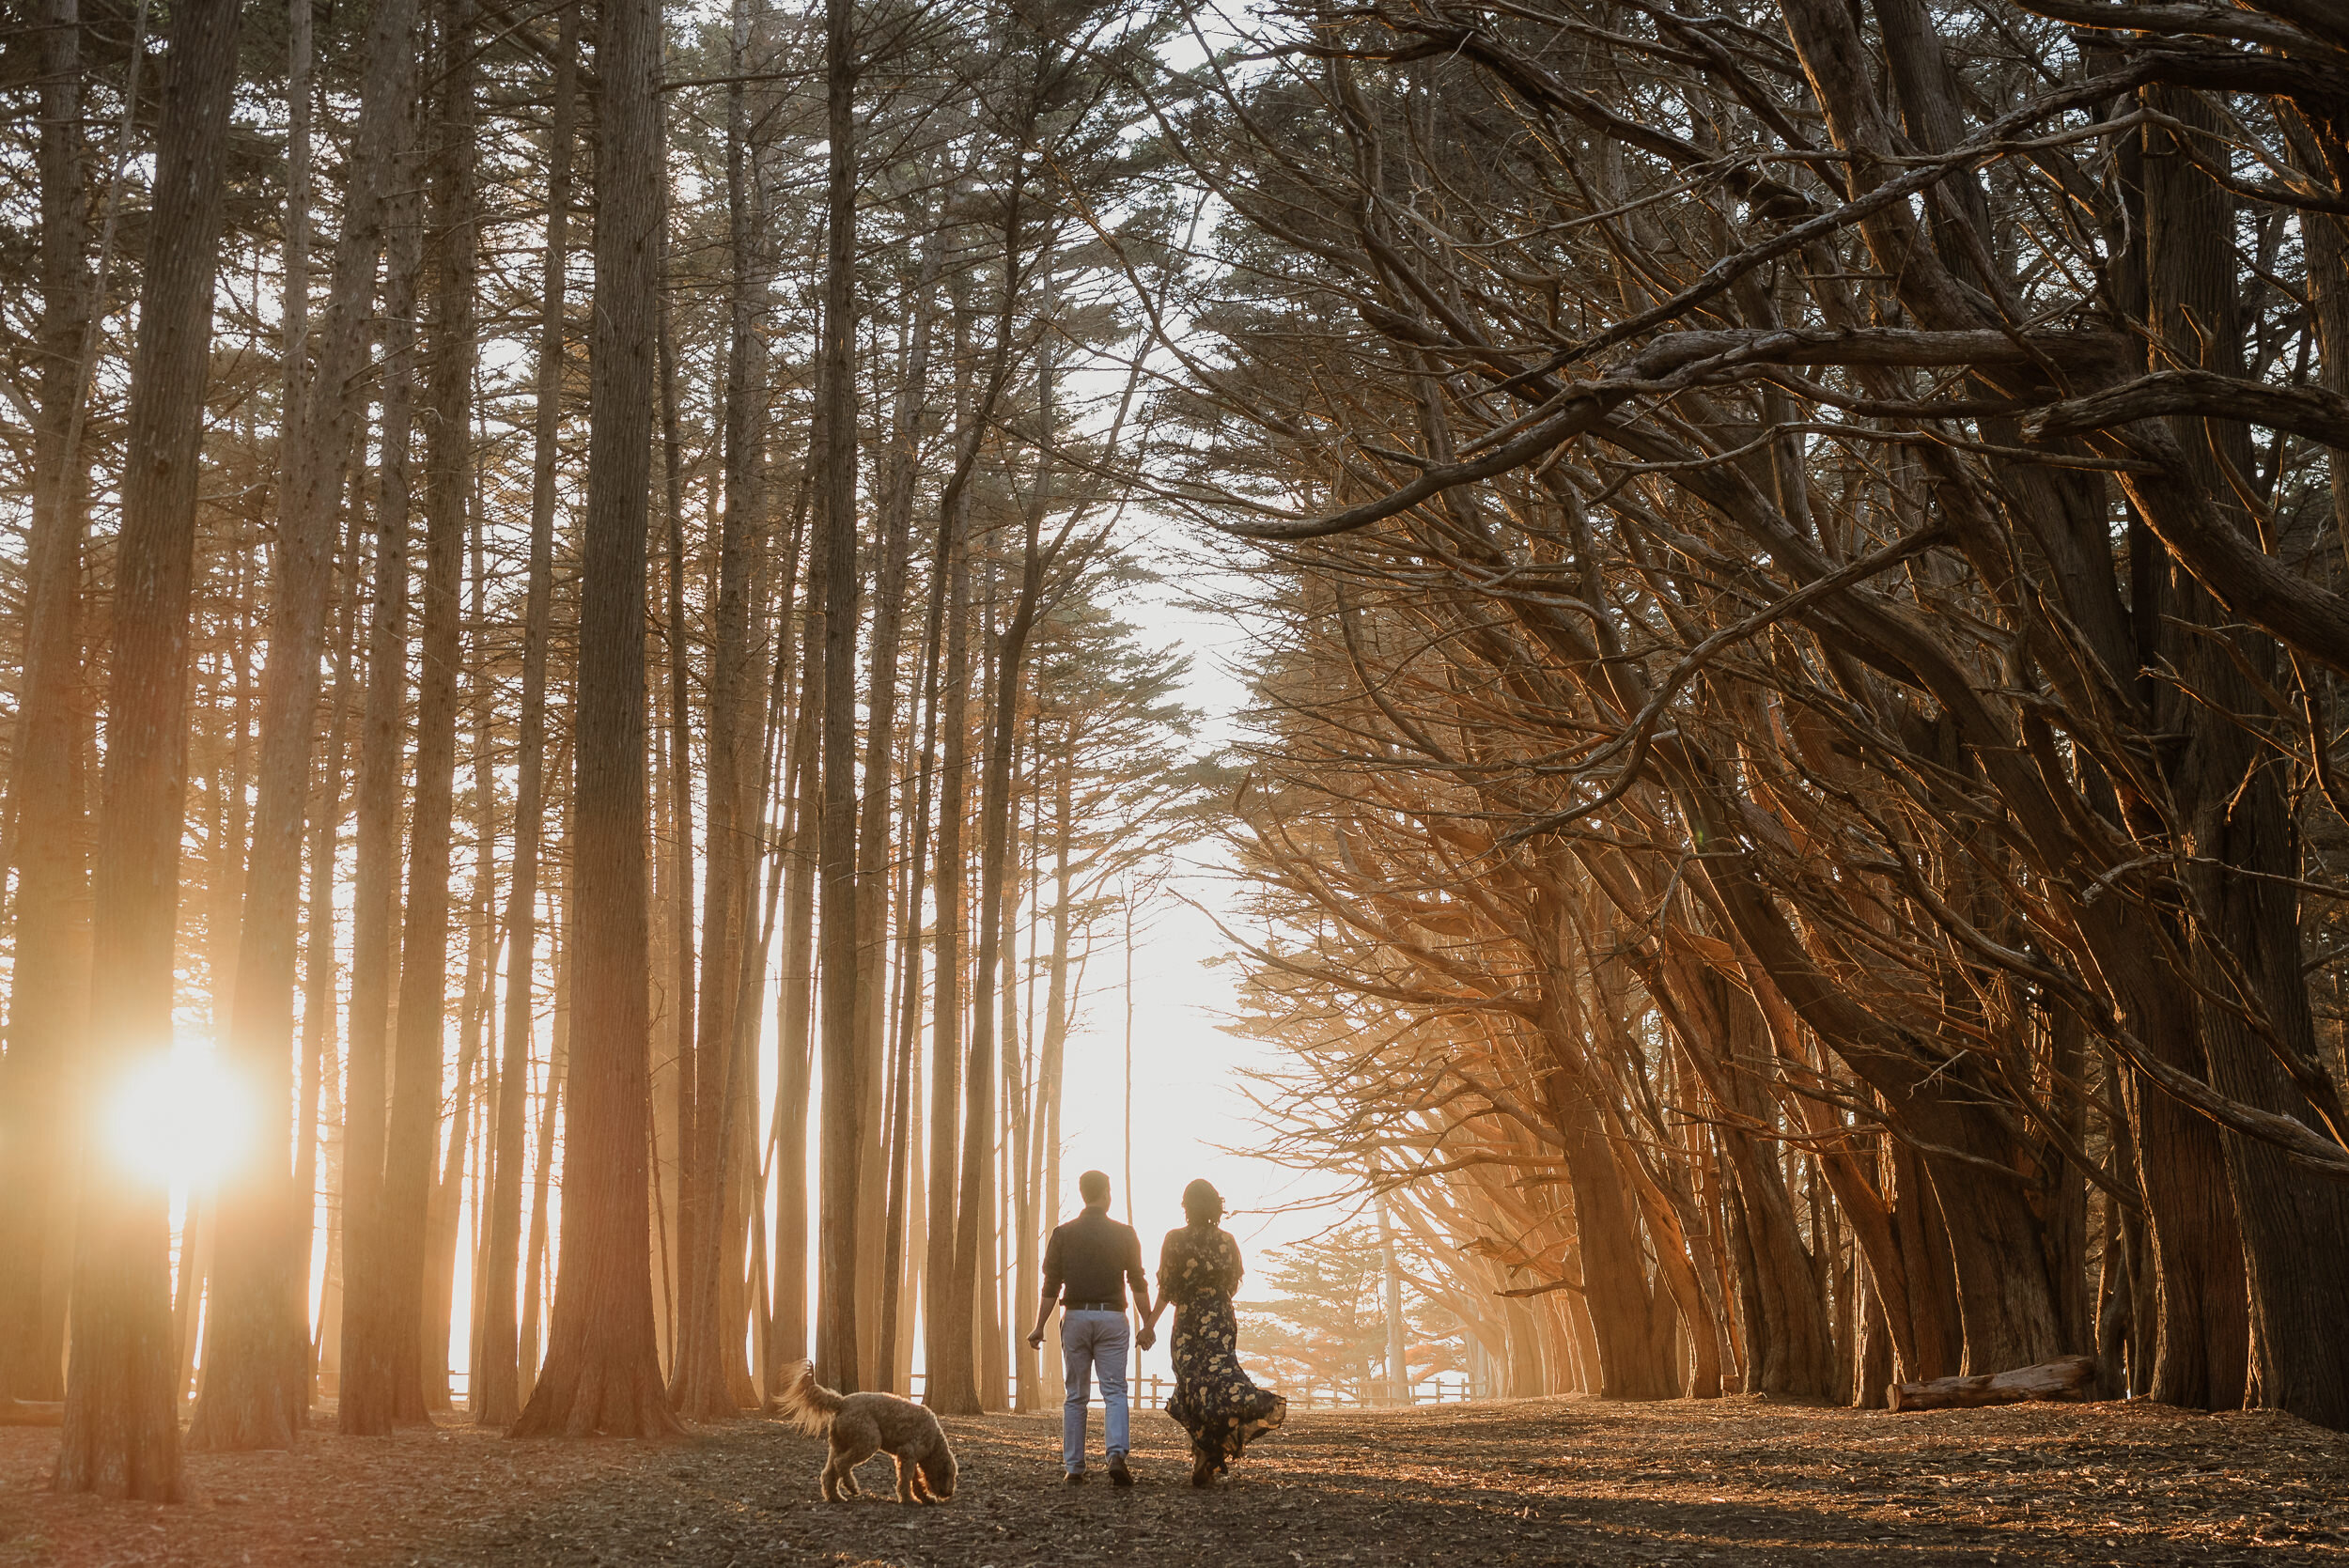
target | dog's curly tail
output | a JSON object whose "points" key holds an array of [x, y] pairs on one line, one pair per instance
{"points": [[808, 1404]]}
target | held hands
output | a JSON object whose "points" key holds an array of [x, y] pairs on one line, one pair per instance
{"points": [[1148, 1337]]}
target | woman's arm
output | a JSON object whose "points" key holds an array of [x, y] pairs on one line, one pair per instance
{"points": [[1140, 1279]]}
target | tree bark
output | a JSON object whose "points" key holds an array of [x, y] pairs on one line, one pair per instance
{"points": [[2067, 1379], [603, 1369], [691, 1193], [951, 1376], [497, 1399], [794, 1045], [50, 978], [906, 1212], [384, 1339], [838, 1362], [2246, 942], [318, 1127], [364, 1402], [121, 1436], [709, 1356]]}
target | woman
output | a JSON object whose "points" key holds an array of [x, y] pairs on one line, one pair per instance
{"points": [[1198, 1270]]}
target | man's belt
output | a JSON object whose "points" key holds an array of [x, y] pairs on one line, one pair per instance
{"points": [[1092, 1306]]}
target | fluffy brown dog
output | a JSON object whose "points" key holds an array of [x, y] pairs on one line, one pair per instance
{"points": [[862, 1425]]}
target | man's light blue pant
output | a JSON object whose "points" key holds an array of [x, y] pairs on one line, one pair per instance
{"points": [[1092, 1343]]}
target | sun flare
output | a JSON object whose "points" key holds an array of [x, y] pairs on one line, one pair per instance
{"points": [[183, 1119]]}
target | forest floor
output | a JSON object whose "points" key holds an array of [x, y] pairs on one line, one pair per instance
{"points": [[1534, 1481]]}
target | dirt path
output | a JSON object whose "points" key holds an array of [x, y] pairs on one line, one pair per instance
{"points": [[1533, 1482]]}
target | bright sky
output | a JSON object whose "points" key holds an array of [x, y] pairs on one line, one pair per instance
{"points": [[1192, 1117]]}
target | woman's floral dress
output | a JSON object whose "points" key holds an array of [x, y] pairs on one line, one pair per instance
{"points": [[1198, 1270]]}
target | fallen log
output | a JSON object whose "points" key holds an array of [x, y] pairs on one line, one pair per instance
{"points": [[2066, 1377], [32, 1412]]}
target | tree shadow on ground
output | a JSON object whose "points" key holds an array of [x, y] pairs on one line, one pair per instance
{"points": [[1537, 1481]]}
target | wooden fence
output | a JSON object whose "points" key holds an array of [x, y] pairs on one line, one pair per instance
{"points": [[1150, 1392]]}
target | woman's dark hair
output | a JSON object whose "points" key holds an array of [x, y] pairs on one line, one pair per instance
{"points": [[1202, 1203]]}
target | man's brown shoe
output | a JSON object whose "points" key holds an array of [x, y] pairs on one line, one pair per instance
{"points": [[1119, 1474]]}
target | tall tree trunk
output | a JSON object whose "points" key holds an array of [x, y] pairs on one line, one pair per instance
{"points": [[256, 1338], [319, 1121], [604, 1369], [122, 1437], [837, 1360], [476, 1070], [906, 1203], [976, 1236], [384, 1342], [1025, 1367], [50, 979], [481, 1014], [709, 1348], [2247, 940], [951, 1374], [779, 781], [364, 1405], [497, 1399], [1058, 1001], [794, 1044], [1026, 1125], [679, 1254], [787, 1336], [898, 476]]}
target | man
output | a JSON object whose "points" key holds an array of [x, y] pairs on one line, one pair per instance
{"points": [[1086, 1265]]}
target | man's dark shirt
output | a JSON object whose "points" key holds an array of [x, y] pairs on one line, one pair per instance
{"points": [[1091, 1258]]}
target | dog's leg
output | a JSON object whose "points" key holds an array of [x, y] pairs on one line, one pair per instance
{"points": [[909, 1478], [829, 1481], [852, 1444]]}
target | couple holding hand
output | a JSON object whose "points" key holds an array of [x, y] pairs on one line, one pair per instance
{"points": [[1086, 1267]]}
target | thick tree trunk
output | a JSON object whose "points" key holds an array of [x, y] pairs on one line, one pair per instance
{"points": [[365, 1381], [50, 978], [1633, 1321], [603, 1369], [2249, 984], [2067, 1379], [497, 1399], [122, 1437]]}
